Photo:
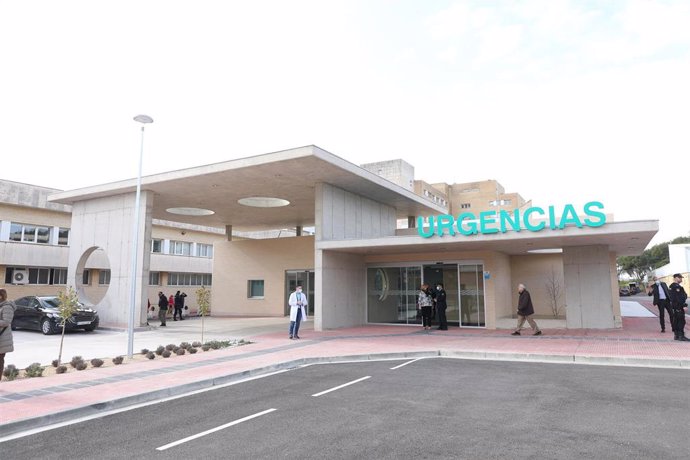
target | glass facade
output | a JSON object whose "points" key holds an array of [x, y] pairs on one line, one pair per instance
{"points": [[304, 278], [392, 292]]}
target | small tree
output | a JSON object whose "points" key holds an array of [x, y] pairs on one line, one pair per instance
{"points": [[68, 304], [554, 290], [203, 299]]}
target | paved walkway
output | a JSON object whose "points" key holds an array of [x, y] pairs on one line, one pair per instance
{"points": [[31, 403]]}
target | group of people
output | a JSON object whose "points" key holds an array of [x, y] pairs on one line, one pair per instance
{"points": [[672, 300], [176, 302], [429, 303]]}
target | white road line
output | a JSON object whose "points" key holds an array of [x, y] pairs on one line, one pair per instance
{"points": [[213, 430], [404, 364], [341, 386]]}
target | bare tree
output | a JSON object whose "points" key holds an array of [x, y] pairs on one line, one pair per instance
{"points": [[554, 290]]}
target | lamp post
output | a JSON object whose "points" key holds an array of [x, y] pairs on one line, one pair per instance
{"points": [[143, 119]]}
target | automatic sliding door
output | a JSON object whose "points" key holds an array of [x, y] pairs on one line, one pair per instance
{"points": [[392, 294], [472, 312]]}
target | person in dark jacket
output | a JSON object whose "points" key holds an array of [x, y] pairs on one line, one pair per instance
{"points": [[525, 311], [7, 308], [179, 304], [162, 307], [679, 306], [662, 299], [441, 306]]}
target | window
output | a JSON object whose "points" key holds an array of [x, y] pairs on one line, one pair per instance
{"points": [[63, 236], [86, 278], [29, 233], [180, 248], [104, 277], [465, 205], [255, 289], [157, 246], [204, 250], [58, 276], [154, 278], [189, 279], [9, 271], [39, 275], [45, 276]]}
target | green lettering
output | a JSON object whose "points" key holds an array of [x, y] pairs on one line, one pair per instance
{"points": [[443, 222], [487, 217], [528, 224], [471, 224], [420, 227], [600, 216], [514, 222], [569, 217]]}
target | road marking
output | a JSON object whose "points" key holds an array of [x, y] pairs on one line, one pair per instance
{"points": [[341, 386], [404, 364], [213, 430]]}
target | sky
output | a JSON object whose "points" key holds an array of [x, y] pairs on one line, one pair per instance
{"points": [[560, 101]]}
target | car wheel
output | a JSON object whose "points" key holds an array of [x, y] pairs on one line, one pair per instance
{"points": [[46, 327]]}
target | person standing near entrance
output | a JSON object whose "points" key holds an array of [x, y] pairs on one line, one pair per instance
{"points": [[441, 306], [525, 311], [298, 311], [162, 307], [659, 290], [179, 303], [425, 303], [679, 306], [6, 315]]}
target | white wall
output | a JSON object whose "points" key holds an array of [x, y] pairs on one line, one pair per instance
{"points": [[588, 292], [342, 277]]}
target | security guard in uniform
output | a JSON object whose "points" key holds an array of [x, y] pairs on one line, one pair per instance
{"points": [[678, 306]]}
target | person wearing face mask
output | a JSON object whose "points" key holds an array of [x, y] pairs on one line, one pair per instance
{"points": [[441, 306], [425, 303], [298, 311], [662, 297]]}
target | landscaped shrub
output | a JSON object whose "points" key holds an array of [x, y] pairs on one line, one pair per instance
{"points": [[61, 369], [170, 346], [118, 360], [166, 354], [81, 365], [55, 363], [196, 344], [160, 350], [184, 345], [150, 355], [96, 362], [34, 370], [192, 350], [180, 351], [206, 347], [144, 351], [76, 360], [11, 372]]}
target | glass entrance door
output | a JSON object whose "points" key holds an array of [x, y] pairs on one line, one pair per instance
{"points": [[447, 274], [392, 294], [304, 278], [472, 295]]}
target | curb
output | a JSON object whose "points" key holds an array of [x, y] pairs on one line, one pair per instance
{"points": [[119, 403]]}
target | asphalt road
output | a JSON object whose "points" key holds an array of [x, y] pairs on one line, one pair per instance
{"points": [[429, 408]]}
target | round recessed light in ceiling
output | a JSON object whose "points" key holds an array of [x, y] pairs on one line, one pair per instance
{"points": [[190, 211], [263, 202]]}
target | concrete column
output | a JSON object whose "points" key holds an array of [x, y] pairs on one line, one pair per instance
{"points": [[343, 277], [228, 232], [298, 230], [588, 290], [107, 223], [411, 222]]}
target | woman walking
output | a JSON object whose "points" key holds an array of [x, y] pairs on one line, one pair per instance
{"points": [[6, 315], [425, 303]]}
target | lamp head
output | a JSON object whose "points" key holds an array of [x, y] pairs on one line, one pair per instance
{"points": [[143, 119]]}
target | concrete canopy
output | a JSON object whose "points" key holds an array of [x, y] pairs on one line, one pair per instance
{"points": [[622, 238], [289, 174]]}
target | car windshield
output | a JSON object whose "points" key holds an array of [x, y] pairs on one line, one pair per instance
{"points": [[54, 302]]}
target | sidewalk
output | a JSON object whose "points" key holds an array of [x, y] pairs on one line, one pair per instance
{"points": [[32, 403]]}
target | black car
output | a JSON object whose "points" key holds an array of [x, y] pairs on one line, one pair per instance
{"points": [[40, 313]]}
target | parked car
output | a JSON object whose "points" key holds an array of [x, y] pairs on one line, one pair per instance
{"points": [[40, 313], [624, 292]]}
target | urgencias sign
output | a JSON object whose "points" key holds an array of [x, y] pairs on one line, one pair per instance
{"points": [[532, 219]]}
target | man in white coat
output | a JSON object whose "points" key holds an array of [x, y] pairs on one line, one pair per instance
{"points": [[298, 310]]}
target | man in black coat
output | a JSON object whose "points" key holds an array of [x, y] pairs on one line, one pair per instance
{"points": [[662, 297], [525, 311], [441, 306], [679, 306]]}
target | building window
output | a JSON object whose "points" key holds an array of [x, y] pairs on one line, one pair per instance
{"points": [[63, 236], [154, 278], [204, 250], [29, 233], [58, 276], [86, 278], [45, 276], [39, 275], [255, 289], [157, 246], [465, 205], [104, 277], [180, 248], [189, 279]]}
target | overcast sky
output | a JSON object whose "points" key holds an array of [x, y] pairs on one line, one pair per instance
{"points": [[560, 101]]}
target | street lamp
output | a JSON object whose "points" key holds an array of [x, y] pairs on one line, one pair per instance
{"points": [[143, 119]]}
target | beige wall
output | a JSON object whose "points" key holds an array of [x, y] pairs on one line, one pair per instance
{"points": [[534, 271], [237, 262], [37, 216]]}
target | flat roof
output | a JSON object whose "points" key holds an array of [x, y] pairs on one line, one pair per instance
{"points": [[289, 174]]}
